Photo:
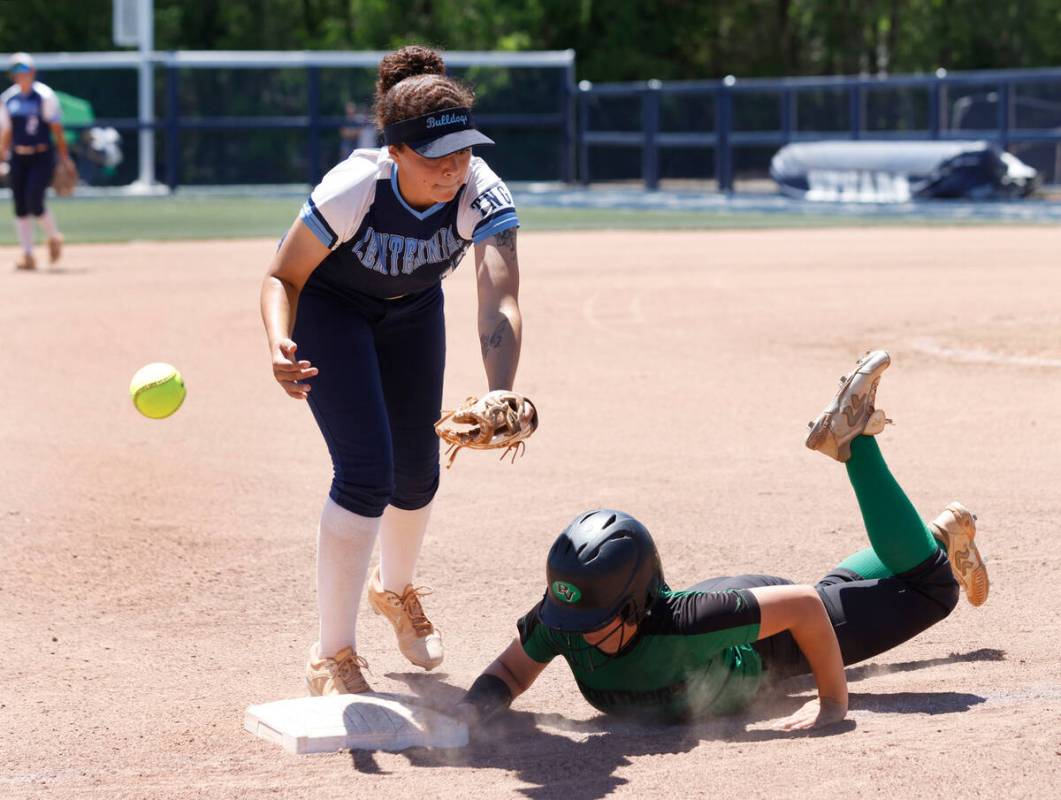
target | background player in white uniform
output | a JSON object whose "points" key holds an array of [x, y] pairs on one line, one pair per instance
{"points": [[363, 266], [30, 126]]}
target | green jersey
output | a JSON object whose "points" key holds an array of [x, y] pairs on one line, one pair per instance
{"points": [[691, 657]]}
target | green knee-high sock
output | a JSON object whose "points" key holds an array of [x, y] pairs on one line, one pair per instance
{"points": [[899, 538]]}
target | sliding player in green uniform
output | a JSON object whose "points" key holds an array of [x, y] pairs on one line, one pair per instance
{"points": [[639, 649]]}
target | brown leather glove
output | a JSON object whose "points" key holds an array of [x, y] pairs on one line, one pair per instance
{"points": [[64, 178], [498, 420]]}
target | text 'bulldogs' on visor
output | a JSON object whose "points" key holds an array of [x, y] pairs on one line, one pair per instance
{"points": [[436, 134]]}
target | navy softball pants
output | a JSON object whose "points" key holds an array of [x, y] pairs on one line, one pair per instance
{"points": [[377, 395], [30, 177]]}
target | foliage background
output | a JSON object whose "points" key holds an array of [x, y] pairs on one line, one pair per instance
{"points": [[615, 39]]}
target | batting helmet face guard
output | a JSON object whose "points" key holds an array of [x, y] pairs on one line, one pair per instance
{"points": [[604, 565]]}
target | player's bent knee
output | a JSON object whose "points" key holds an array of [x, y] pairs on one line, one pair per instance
{"points": [[411, 494], [368, 500]]}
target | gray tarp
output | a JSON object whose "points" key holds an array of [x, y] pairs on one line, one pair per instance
{"points": [[895, 172]]}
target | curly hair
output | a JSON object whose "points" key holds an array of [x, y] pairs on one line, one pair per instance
{"points": [[413, 82]]}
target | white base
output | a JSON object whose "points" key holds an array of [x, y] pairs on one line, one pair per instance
{"points": [[367, 721]]}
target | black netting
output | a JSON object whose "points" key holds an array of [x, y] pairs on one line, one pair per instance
{"points": [[687, 162], [250, 156], [506, 90], [113, 93], [756, 111], [904, 108], [822, 110], [752, 162], [971, 107], [242, 92], [530, 139], [1037, 105], [614, 113], [614, 163], [687, 112]]}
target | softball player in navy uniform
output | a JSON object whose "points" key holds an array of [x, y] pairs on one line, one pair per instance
{"points": [[639, 649], [30, 127], [363, 265]]}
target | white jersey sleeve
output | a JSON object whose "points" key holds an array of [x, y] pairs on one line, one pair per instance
{"points": [[337, 206], [486, 206], [51, 111], [5, 115]]}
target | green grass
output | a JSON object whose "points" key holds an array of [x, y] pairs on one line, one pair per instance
{"points": [[162, 218], [208, 217]]}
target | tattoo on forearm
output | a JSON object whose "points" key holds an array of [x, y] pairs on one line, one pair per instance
{"points": [[494, 340]]}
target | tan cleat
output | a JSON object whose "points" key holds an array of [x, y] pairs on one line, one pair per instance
{"points": [[852, 412], [338, 675], [418, 640], [955, 529], [27, 262], [55, 248]]}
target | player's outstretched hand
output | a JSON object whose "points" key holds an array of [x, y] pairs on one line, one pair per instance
{"points": [[817, 713], [289, 372]]}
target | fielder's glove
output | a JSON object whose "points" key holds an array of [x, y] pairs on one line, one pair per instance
{"points": [[65, 177], [497, 420]]}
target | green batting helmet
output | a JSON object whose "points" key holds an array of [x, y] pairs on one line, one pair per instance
{"points": [[603, 565]]}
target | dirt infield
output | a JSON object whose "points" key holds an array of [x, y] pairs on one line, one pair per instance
{"points": [[156, 577]]}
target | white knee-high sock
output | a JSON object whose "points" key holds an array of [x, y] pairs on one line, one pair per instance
{"points": [[400, 538], [47, 221], [24, 228], [344, 546]]}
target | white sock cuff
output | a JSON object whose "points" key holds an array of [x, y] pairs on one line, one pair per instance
{"points": [[401, 538], [341, 523], [24, 228], [47, 221]]}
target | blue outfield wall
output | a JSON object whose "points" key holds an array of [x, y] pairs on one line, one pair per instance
{"points": [[728, 129], [244, 118]]}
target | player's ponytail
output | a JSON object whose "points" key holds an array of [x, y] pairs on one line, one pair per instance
{"points": [[412, 82]]}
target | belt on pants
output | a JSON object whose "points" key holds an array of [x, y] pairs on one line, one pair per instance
{"points": [[30, 149]]}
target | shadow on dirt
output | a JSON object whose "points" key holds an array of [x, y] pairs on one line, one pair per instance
{"points": [[45, 270], [577, 759], [914, 702], [871, 670]]}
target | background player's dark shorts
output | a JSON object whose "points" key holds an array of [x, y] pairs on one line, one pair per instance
{"points": [[869, 616], [378, 394], [30, 177]]}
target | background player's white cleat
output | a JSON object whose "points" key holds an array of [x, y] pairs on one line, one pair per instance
{"points": [[852, 412], [955, 529], [418, 640], [338, 675]]}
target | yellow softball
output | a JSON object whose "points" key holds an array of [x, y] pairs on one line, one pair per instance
{"points": [[157, 390]]}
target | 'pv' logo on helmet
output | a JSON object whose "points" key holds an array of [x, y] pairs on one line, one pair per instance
{"points": [[567, 592]]}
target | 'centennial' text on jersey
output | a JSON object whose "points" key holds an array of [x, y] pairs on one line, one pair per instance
{"points": [[383, 247]]}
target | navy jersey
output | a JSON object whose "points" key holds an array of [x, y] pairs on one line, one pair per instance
{"points": [[29, 115], [383, 247]]}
